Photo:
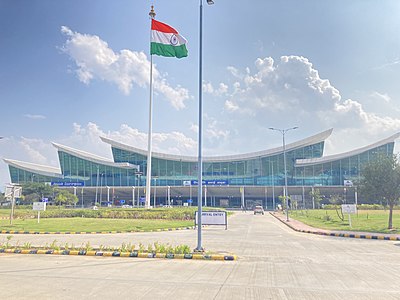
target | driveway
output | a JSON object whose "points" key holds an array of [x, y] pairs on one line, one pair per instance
{"points": [[274, 262]]}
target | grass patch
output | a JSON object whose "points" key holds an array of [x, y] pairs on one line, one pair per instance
{"points": [[364, 220], [91, 224]]}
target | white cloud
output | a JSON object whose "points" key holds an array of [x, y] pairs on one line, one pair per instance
{"points": [[94, 59], [87, 138], [291, 92], [34, 117], [230, 106], [385, 97], [220, 91]]}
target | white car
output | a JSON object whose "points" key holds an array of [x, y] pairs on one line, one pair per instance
{"points": [[258, 209]]}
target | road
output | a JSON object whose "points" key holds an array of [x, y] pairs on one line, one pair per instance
{"points": [[274, 263]]}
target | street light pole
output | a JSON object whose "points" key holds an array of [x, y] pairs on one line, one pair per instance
{"points": [[285, 190], [200, 159]]}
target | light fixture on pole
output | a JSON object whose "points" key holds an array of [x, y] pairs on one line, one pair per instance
{"points": [[200, 159], [285, 190]]}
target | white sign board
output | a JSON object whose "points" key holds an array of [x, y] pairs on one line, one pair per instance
{"points": [[39, 206], [349, 208], [13, 191], [348, 183], [212, 218]]}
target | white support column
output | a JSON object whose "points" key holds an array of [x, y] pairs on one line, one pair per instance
{"points": [[242, 195], [266, 198], [133, 196], [205, 196], [169, 195]]}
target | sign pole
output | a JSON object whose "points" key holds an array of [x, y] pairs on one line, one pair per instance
{"points": [[12, 206]]}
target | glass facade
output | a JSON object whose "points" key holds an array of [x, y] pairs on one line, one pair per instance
{"points": [[255, 171], [19, 175], [335, 172], [306, 166], [76, 169]]}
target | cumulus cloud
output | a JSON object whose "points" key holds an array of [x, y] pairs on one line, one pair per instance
{"points": [[291, 92], [94, 59], [220, 91]]}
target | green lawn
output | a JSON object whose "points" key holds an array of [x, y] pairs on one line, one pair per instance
{"points": [[91, 224], [364, 220]]}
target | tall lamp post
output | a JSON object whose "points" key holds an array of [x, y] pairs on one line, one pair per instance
{"points": [[200, 159], [285, 190]]}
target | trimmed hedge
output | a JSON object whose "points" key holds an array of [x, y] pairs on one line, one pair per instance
{"points": [[113, 213]]}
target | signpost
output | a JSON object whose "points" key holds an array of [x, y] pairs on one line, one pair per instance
{"points": [[12, 191], [39, 206], [349, 209], [212, 218]]}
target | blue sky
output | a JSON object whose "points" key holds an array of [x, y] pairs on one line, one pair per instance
{"points": [[71, 71]]}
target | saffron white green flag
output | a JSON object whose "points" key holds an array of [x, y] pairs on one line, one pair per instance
{"points": [[166, 41]]}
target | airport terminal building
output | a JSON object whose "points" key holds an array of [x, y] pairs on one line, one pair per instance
{"points": [[257, 176]]}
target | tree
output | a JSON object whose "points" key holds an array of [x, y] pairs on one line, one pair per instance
{"points": [[65, 198], [337, 201], [42, 189], [381, 181], [316, 197]]}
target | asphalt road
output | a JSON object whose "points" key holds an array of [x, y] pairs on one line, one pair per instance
{"points": [[274, 263]]}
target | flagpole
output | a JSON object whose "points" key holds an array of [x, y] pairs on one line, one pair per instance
{"points": [[152, 15]]}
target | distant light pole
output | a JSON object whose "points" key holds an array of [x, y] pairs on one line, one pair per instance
{"points": [[155, 191], [200, 158], [285, 190]]}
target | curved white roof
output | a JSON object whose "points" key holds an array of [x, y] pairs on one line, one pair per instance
{"points": [[34, 168], [299, 144], [92, 157], [330, 158]]}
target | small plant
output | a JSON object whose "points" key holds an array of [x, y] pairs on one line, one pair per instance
{"points": [[66, 246], [141, 247], [150, 248], [54, 245], [123, 247], [7, 244], [27, 245], [182, 249], [169, 249], [86, 247]]}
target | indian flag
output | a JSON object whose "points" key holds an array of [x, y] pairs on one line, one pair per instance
{"points": [[166, 41]]}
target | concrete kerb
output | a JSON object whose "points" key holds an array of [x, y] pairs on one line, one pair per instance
{"points": [[137, 254], [88, 232], [356, 235]]}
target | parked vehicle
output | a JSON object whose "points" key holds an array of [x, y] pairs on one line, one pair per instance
{"points": [[258, 209]]}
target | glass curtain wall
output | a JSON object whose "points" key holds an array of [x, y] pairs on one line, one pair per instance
{"points": [[22, 176], [76, 169], [257, 171]]}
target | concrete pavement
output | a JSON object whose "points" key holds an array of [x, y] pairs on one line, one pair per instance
{"points": [[274, 262], [301, 227]]}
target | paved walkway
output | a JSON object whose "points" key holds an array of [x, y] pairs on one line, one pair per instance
{"points": [[301, 227], [275, 262]]}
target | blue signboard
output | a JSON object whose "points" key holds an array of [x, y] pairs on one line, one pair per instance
{"points": [[45, 199], [67, 184], [210, 182], [189, 201], [122, 201]]}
